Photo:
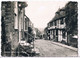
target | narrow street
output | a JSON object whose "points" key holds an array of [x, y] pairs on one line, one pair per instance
{"points": [[39, 28], [48, 49]]}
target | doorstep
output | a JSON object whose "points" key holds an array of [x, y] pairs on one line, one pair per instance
{"points": [[36, 50]]}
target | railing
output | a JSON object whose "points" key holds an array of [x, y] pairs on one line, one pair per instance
{"points": [[31, 37]]}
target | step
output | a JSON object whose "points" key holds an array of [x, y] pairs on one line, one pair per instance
{"points": [[36, 50]]}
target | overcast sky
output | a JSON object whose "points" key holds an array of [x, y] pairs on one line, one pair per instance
{"points": [[41, 12]]}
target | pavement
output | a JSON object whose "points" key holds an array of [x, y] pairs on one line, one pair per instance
{"points": [[48, 48], [63, 45]]}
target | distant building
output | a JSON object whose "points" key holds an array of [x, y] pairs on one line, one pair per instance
{"points": [[45, 35], [37, 33]]}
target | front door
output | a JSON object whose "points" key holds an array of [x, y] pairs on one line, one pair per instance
{"points": [[57, 35]]}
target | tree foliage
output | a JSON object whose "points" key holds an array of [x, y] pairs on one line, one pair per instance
{"points": [[71, 19]]}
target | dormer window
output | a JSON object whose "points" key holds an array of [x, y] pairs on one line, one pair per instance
{"points": [[55, 23], [62, 21]]}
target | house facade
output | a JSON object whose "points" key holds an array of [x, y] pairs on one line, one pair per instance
{"points": [[12, 19], [28, 29], [64, 26], [56, 27]]}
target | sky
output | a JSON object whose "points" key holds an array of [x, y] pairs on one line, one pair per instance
{"points": [[41, 12]]}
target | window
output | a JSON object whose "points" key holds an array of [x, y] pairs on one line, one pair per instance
{"points": [[63, 34], [51, 24], [48, 24], [55, 23], [62, 22], [26, 24]]}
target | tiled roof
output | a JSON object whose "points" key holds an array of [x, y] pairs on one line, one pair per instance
{"points": [[59, 14]]}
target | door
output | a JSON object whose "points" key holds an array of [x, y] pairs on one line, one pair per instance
{"points": [[57, 35]]}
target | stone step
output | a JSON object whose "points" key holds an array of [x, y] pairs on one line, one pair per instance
{"points": [[36, 50]]}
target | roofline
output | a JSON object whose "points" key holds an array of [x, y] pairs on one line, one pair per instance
{"points": [[56, 19]]}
